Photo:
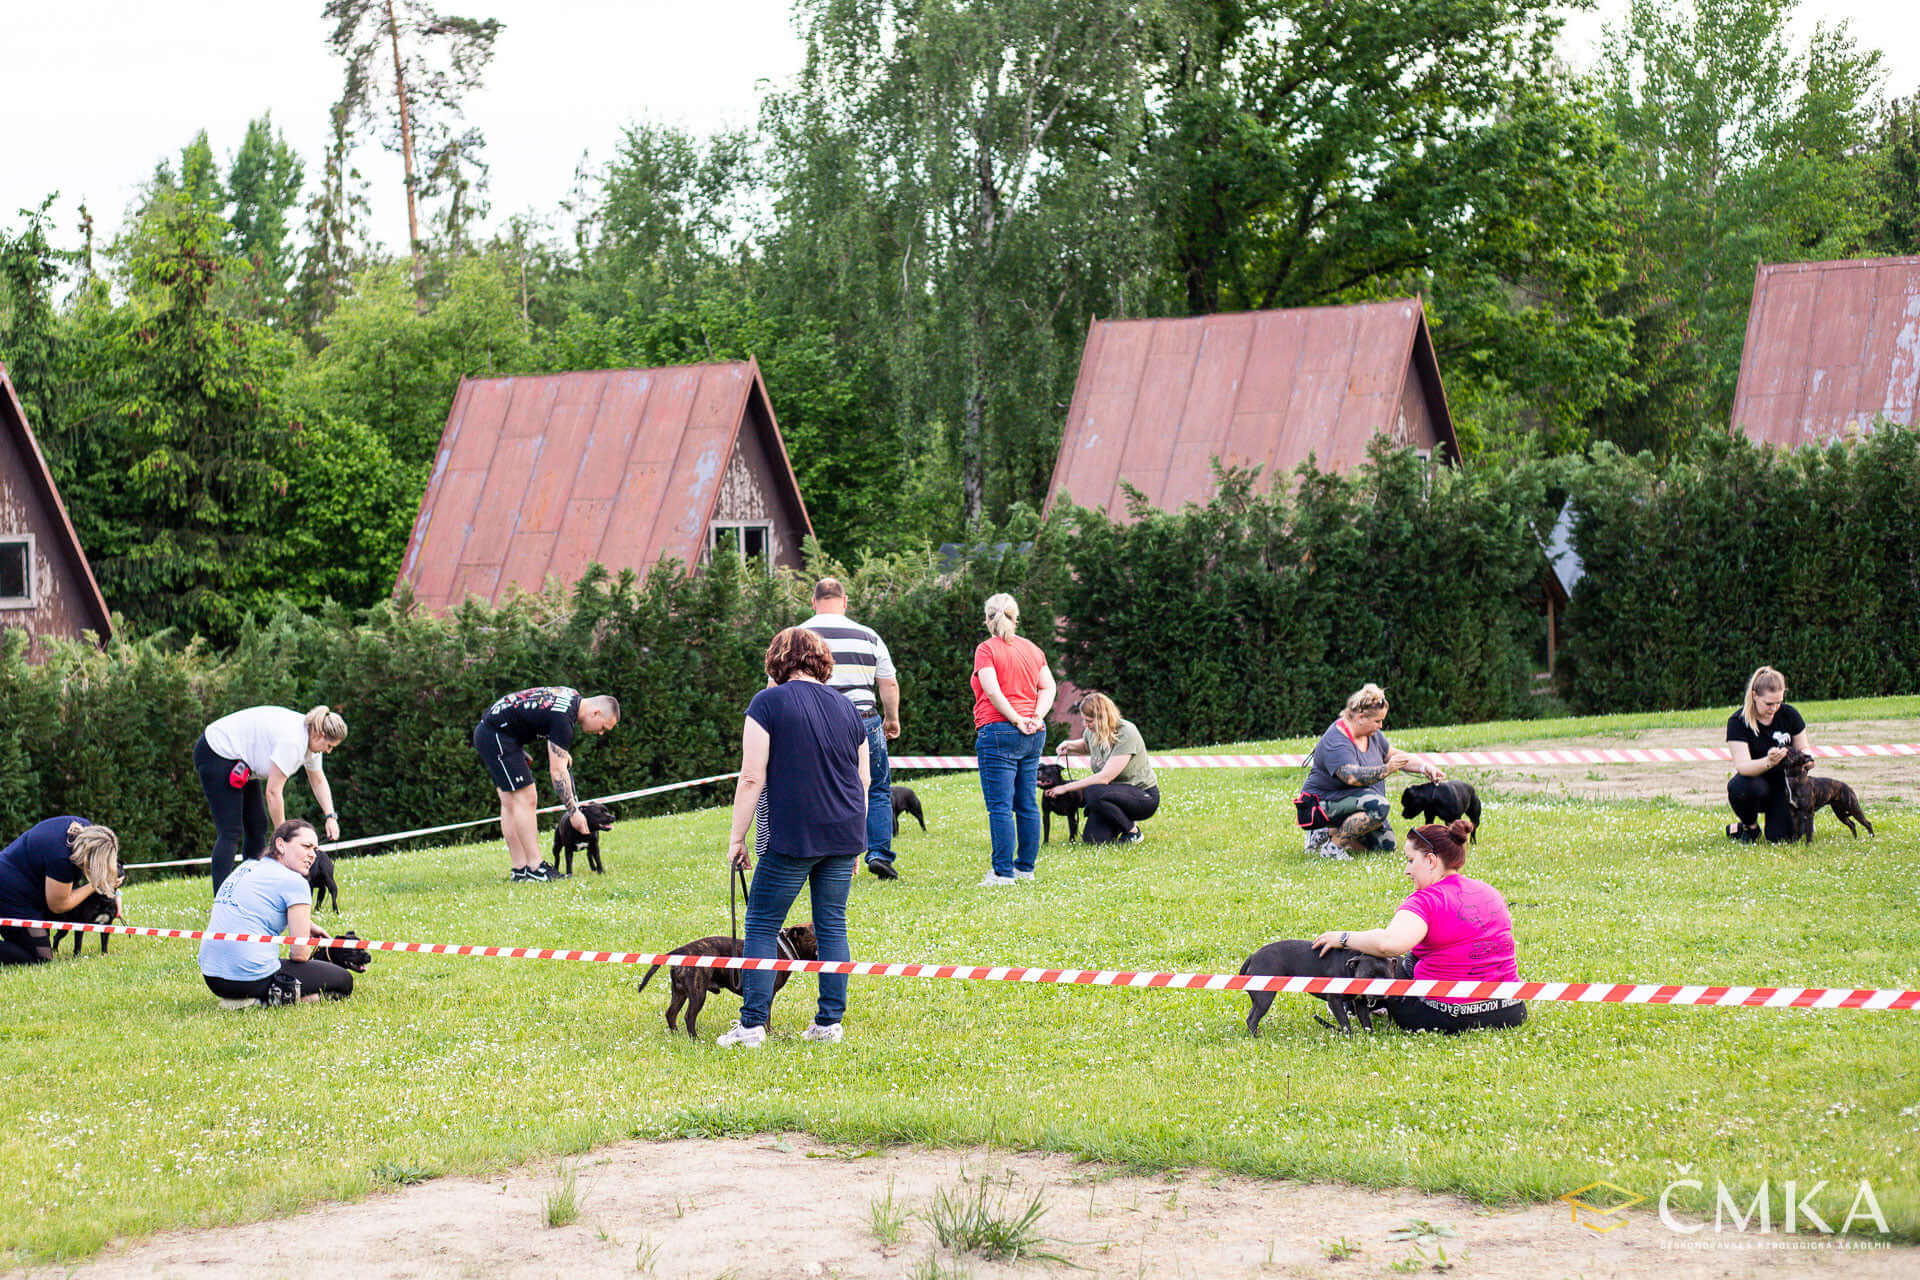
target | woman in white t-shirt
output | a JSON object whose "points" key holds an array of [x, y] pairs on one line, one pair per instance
{"points": [[244, 761]]}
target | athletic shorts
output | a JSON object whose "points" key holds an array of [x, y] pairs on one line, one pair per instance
{"points": [[505, 758]]}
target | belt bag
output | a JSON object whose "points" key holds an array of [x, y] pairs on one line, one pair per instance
{"points": [[1309, 813]]}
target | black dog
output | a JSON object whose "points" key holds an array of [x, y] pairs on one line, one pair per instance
{"points": [[904, 801], [1299, 960], [95, 910], [691, 985], [320, 876], [1069, 805], [1442, 802], [355, 958], [566, 840], [1809, 794]]}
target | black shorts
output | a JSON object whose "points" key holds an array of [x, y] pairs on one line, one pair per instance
{"points": [[505, 758]]}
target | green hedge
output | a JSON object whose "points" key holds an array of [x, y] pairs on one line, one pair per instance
{"points": [[1251, 617], [1698, 572]]}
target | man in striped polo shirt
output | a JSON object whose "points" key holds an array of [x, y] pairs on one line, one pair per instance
{"points": [[863, 670]]}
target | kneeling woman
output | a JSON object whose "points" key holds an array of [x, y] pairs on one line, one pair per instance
{"points": [[1453, 928], [1123, 790], [47, 874], [271, 895]]}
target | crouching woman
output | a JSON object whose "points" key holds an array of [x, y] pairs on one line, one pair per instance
{"points": [[48, 874], [1450, 927], [271, 895]]}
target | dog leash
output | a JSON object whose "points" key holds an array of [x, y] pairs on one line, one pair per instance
{"points": [[737, 880]]}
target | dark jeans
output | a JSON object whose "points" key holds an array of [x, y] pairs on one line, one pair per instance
{"points": [[1751, 797], [25, 946], [316, 977], [777, 881], [1009, 781], [1417, 1013], [1113, 808], [239, 813], [879, 795]]}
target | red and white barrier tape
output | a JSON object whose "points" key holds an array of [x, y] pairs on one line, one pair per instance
{"points": [[393, 836], [1624, 755], [1567, 992]]}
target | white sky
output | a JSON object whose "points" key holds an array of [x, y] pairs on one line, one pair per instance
{"points": [[98, 91]]}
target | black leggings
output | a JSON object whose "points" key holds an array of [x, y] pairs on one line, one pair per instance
{"points": [[316, 977], [239, 813], [1750, 797], [25, 946], [1113, 808], [1417, 1013]]}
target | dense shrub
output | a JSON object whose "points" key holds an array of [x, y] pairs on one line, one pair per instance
{"points": [[1257, 615], [1253, 616], [1697, 572]]}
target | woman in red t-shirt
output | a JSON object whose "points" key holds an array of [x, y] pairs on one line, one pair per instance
{"points": [[1012, 692], [1449, 927]]}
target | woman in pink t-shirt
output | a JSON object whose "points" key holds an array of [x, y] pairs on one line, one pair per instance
{"points": [[1449, 927], [1012, 692]]}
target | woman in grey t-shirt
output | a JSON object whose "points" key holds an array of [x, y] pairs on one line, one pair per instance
{"points": [[1348, 776], [1123, 790]]}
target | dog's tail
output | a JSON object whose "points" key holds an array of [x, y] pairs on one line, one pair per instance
{"points": [[648, 978], [918, 817]]}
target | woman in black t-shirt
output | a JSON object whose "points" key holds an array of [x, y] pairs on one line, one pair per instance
{"points": [[1758, 737]]}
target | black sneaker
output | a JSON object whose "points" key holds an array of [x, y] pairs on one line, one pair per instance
{"points": [[522, 874], [548, 872], [884, 870], [1134, 836], [283, 990]]}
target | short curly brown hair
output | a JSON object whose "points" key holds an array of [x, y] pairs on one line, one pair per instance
{"points": [[798, 651]]}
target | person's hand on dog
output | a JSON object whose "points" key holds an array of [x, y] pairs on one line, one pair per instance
{"points": [[579, 820], [1775, 756], [1328, 941], [1434, 772]]}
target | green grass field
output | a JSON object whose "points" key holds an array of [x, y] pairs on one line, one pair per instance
{"points": [[134, 1104]]}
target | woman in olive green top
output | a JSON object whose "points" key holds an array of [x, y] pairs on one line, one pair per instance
{"points": [[1123, 789]]}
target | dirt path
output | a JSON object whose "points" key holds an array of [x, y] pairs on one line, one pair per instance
{"points": [[786, 1208], [1876, 781]]}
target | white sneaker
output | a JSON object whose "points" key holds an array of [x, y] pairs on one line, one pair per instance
{"points": [[1023, 875], [832, 1033], [994, 879], [742, 1037]]}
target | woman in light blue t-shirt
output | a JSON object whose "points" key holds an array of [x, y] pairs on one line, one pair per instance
{"points": [[270, 895]]}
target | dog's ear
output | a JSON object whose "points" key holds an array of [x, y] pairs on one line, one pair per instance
{"points": [[1353, 962]]}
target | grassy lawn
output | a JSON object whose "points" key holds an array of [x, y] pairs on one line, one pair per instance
{"points": [[135, 1104]]}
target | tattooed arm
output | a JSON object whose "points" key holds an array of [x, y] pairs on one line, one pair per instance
{"points": [[560, 765], [1363, 775]]}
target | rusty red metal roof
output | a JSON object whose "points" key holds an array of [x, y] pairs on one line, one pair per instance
{"points": [[88, 607], [1158, 400], [1831, 348], [543, 475]]}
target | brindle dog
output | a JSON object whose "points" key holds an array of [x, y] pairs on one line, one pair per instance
{"points": [[1808, 793], [691, 985]]}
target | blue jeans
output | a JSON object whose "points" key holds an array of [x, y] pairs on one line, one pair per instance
{"points": [[879, 795], [1009, 769], [776, 883]]}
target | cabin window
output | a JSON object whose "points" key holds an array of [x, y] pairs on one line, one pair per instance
{"points": [[16, 572], [749, 541]]}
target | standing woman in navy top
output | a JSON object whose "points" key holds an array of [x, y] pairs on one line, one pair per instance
{"points": [[48, 872], [1758, 737], [804, 744]]}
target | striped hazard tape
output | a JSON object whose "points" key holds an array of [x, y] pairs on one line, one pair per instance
{"points": [[1621, 755], [1566, 992]]}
